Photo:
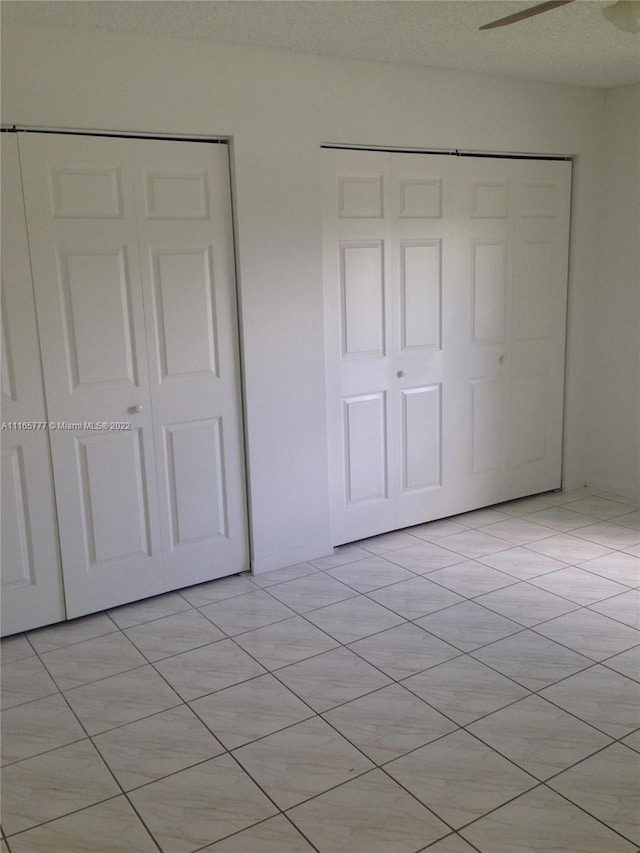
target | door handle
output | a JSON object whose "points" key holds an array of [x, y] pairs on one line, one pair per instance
{"points": [[401, 373], [137, 409]]}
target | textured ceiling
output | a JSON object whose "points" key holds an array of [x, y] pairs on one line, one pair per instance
{"points": [[573, 44]]}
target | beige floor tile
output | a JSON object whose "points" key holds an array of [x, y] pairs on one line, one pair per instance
{"points": [[201, 671], [289, 573], [616, 566], [459, 778], [38, 727], [73, 631], [599, 507], [403, 651], [471, 578], [424, 557], [301, 762], [522, 563], [245, 712], [589, 633], [275, 835], [156, 746], [218, 590], [474, 543], [560, 518], [607, 785], [633, 740], [568, 549], [341, 555], [387, 542], [624, 608], [531, 660], [23, 681], [311, 592], [578, 586], [519, 530], [201, 805], [527, 604], [431, 531], [600, 697], [110, 827], [370, 573], [630, 519], [53, 784], [121, 699], [627, 663], [541, 820], [246, 612], [285, 642], [538, 737], [371, 813], [354, 618], [15, 648], [468, 626], [610, 535], [331, 678], [388, 723], [91, 660], [415, 598], [464, 689], [173, 634], [451, 844], [146, 611]]}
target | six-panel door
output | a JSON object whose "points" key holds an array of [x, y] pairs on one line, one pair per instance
{"points": [[445, 291], [132, 261]]}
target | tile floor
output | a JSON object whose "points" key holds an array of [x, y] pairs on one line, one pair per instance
{"points": [[469, 684]]}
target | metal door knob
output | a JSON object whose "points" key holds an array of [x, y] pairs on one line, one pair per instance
{"points": [[401, 373], [502, 359], [137, 409]]}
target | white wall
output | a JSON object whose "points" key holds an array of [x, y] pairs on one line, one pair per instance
{"points": [[278, 108], [615, 397]]}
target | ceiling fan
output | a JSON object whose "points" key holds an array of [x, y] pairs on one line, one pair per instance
{"points": [[625, 14]]}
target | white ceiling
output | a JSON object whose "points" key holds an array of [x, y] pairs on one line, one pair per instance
{"points": [[573, 44]]}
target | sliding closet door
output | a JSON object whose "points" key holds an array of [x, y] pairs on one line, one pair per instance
{"points": [[133, 268], [31, 580], [86, 269], [183, 210], [445, 292]]}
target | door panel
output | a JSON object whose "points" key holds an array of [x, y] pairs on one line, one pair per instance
{"points": [[183, 209], [445, 345], [421, 438], [86, 270], [31, 580]]}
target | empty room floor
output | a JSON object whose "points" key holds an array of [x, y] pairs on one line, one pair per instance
{"points": [[468, 684]]}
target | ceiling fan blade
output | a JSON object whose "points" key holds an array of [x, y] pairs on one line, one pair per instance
{"points": [[526, 13]]}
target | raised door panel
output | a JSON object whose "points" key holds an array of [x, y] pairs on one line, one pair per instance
{"points": [[86, 268], [31, 579], [183, 214]]}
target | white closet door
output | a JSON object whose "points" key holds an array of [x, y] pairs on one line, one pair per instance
{"points": [[86, 270], [445, 287], [31, 580], [133, 266], [186, 246]]}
